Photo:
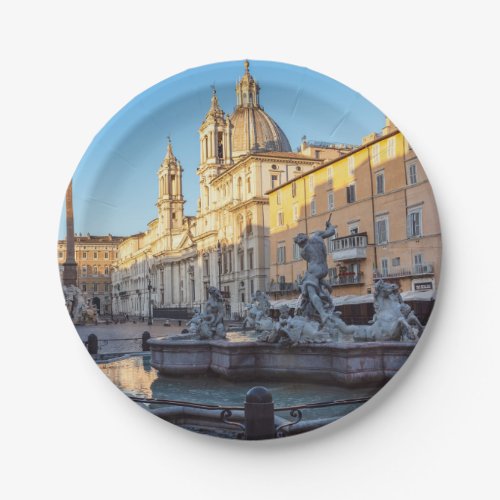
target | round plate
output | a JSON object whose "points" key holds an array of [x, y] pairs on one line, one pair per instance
{"points": [[250, 250]]}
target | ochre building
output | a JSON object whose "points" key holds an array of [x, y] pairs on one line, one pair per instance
{"points": [[94, 256], [380, 200]]}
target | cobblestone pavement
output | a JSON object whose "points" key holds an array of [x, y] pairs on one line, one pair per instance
{"points": [[127, 337]]}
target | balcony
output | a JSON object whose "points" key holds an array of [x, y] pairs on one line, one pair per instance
{"points": [[347, 279], [283, 287], [351, 247], [418, 270]]}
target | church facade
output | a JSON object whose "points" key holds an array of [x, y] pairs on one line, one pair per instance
{"points": [[227, 243]]}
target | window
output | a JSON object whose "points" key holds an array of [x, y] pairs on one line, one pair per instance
{"points": [[60, 255], [350, 165], [95, 255], [351, 193], [249, 224], [296, 251], [381, 226], [313, 206], [106, 255], [396, 262], [249, 185], [295, 210], [240, 225], [391, 148], [385, 267], [106, 287], [239, 188], [94, 270], [95, 287], [418, 262], [84, 270], [353, 228], [376, 154], [331, 203], [311, 183], [106, 270], [250, 258], [281, 255], [84, 287], [329, 174], [316, 154], [242, 261], [412, 173], [84, 255], [294, 189], [278, 197], [274, 181], [380, 183], [230, 261], [281, 220], [252, 287], [331, 244], [414, 228]]}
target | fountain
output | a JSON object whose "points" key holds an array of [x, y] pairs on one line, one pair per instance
{"points": [[313, 345]]}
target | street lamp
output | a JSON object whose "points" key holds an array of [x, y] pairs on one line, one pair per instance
{"points": [[150, 318], [219, 258]]}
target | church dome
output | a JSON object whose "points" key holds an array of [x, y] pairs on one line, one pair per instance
{"points": [[252, 128]]}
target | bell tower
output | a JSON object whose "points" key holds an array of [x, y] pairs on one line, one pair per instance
{"points": [[170, 199], [215, 148]]}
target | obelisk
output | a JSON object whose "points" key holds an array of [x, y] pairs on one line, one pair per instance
{"points": [[69, 266]]}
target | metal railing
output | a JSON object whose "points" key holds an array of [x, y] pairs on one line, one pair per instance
{"points": [[417, 270], [347, 279], [258, 413]]}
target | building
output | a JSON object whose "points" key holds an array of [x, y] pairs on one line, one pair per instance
{"points": [[94, 256], [226, 244], [382, 205]]}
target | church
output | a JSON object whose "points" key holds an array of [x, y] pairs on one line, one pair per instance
{"points": [[243, 155]]}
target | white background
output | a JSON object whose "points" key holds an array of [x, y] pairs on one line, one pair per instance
{"points": [[68, 67]]}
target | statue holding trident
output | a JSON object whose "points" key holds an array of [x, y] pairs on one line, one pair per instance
{"points": [[316, 299]]}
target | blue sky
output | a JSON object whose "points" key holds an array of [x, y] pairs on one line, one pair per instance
{"points": [[115, 184]]}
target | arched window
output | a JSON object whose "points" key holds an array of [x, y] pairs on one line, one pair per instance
{"points": [[94, 270], [249, 185], [106, 270]]}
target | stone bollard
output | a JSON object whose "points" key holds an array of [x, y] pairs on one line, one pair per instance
{"points": [[92, 344], [145, 337], [259, 414]]}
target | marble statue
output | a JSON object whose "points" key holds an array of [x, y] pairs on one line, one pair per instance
{"points": [[210, 323], [390, 319], [75, 303], [257, 316]]}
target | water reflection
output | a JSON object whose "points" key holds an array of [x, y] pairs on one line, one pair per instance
{"points": [[136, 376]]}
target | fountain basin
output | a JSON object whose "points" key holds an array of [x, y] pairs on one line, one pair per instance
{"points": [[344, 364]]}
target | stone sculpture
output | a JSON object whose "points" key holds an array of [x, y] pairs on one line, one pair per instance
{"points": [[258, 313], [390, 319], [211, 323], [75, 303]]}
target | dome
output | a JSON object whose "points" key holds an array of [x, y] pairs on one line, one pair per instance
{"points": [[255, 130], [252, 128]]}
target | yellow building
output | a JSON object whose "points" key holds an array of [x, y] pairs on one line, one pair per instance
{"points": [[382, 205], [94, 256]]}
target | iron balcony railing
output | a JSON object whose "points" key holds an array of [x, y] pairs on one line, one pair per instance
{"points": [[417, 270], [283, 287], [347, 279]]}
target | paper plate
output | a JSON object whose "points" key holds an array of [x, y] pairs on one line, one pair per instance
{"points": [[250, 250]]}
